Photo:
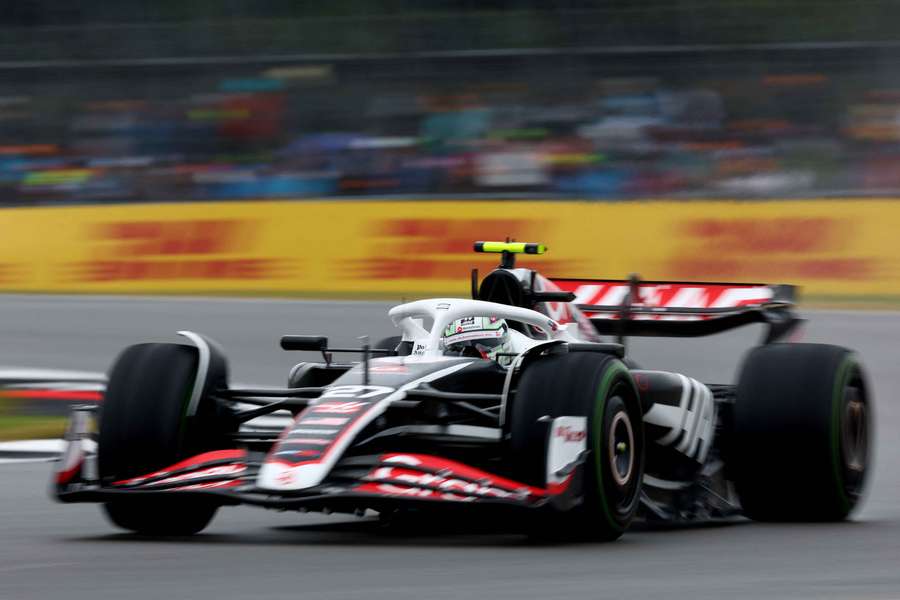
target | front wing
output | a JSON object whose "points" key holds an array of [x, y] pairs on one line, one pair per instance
{"points": [[356, 483]]}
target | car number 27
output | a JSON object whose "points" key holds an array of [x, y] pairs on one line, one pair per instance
{"points": [[360, 392]]}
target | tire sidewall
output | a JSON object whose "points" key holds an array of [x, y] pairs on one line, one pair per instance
{"points": [[848, 492], [616, 504]]}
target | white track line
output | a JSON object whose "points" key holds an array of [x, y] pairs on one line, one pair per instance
{"points": [[23, 461], [20, 374], [51, 447]]}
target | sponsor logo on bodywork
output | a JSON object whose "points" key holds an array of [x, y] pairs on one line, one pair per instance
{"points": [[431, 477], [569, 434], [567, 444], [388, 368]]}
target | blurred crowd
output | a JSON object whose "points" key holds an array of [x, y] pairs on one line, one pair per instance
{"points": [[322, 129]]}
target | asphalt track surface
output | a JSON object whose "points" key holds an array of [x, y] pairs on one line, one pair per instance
{"points": [[48, 550]]}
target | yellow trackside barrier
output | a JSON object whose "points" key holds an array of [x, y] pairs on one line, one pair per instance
{"points": [[840, 248]]}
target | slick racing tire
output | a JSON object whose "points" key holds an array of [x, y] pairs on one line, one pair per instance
{"points": [[600, 388], [801, 433], [143, 428]]}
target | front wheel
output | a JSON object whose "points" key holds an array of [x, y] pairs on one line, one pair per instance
{"points": [[144, 427], [167, 517], [599, 389]]}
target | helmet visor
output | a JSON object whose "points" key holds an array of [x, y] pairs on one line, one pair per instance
{"points": [[481, 341], [486, 343]]}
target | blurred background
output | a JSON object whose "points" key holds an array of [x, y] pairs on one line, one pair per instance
{"points": [[251, 168], [165, 100], [355, 149]]}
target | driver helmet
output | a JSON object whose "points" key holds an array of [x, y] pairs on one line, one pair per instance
{"points": [[484, 337]]}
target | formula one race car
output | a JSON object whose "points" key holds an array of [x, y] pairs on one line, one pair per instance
{"points": [[510, 403]]}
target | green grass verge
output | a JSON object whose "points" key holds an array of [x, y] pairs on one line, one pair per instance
{"points": [[29, 427], [17, 426]]}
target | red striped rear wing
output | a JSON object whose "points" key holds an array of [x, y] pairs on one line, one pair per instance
{"points": [[598, 296], [680, 308]]}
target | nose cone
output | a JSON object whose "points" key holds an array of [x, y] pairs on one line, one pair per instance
{"points": [[319, 436], [279, 476]]}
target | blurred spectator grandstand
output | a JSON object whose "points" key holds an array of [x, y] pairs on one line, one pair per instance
{"points": [[164, 100]]}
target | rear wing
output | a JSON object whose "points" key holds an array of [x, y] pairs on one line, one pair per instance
{"points": [[681, 308]]}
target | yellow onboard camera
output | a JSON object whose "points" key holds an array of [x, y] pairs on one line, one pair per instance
{"points": [[511, 247]]}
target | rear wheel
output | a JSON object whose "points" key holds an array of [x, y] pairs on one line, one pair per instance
{"points": [[144, 427], [802, 433], [599, 388]]}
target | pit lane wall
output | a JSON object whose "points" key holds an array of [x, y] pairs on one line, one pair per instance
{"points": [[847, 249]]}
